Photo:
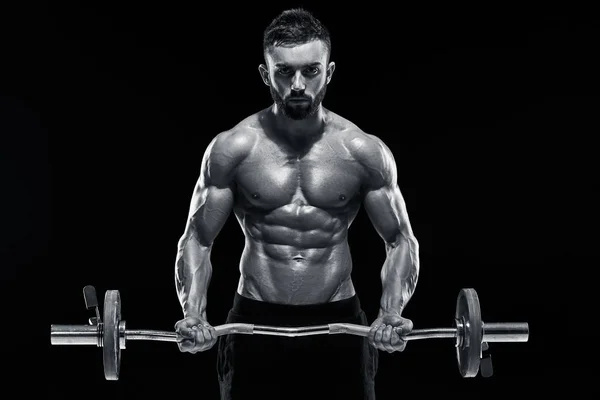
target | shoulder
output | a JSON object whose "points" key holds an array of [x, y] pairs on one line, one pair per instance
{"points": [[233, 145], [228, 149], [236, 142], [367, 149], [370, 151]]}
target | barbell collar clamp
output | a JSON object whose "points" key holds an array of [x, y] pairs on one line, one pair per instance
{"points": [[91, 303]]}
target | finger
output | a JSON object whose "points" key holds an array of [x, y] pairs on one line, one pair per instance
{"points": [[208, 345], [405, 328], [378, 336], [186, 345], [184, 339], [397, 342], [208, 340], [395, 339], [184, 332], [371, 335], [213, 333], [386, 339], [206, 333], [401, 346], [199, 336], [386, 336]]}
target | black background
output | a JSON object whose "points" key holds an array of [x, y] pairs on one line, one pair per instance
{"points": [[491, 115]]}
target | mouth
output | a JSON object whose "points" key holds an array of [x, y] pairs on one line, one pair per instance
{"points": [[300, 100]]}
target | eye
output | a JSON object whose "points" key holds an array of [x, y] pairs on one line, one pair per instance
{"points": [[284, 71], [312, 70]]}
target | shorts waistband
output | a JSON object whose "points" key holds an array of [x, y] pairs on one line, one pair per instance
{"points": [[325, 312]]}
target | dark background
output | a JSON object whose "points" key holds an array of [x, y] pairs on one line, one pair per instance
{"points": [[491, 114]]}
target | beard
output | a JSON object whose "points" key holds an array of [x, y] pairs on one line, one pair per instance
{"points": [[300, 110]]}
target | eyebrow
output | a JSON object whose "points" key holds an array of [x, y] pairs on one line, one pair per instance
{"points": [[314, 64]]}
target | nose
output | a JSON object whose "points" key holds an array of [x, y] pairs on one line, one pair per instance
{"points": [[298, 84]]}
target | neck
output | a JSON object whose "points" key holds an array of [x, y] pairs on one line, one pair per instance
{"points": [[295, 130]]}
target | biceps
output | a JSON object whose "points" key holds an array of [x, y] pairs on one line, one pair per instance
{"points": [[209, 210], [387, 211]]}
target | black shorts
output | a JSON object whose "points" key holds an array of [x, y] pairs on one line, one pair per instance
{"points": [[337, 366]]}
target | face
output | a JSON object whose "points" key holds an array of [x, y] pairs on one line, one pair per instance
{"points": [[298, 77]]}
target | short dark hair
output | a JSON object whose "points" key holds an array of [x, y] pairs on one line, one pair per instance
{"points": [[293, 27]]}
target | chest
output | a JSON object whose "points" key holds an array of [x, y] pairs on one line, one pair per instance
{"points": [[323, 176]]}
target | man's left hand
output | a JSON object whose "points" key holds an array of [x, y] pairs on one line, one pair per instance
{"points": [[387, 332]]}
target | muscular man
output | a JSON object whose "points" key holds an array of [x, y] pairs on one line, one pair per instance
{"points": [[295, 174]]}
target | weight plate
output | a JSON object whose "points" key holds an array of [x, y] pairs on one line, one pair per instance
{"points": [[111, 348], [468, 351]]}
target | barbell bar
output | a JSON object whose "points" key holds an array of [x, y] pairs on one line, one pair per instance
{"points": [[470, 334]]}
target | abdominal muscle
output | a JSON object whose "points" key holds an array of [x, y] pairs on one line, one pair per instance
{"points": [[290, 266]]}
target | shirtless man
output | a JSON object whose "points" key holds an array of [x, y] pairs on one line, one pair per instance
{"points": [[295, 174]]}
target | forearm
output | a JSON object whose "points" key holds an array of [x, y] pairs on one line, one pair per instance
{"points": [[193, 271], [399, 274]]}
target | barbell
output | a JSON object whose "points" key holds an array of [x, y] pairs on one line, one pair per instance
{"points": [[470, 334]]}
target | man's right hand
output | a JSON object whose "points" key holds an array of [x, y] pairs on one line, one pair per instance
{"points": [[195, 334]]}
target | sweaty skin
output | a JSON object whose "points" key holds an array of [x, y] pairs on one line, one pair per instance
{"points": [[295, 201], [295, 175]]}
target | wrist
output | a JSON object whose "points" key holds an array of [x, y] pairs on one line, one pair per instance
{"points": [[194, 314], [387, 311]]}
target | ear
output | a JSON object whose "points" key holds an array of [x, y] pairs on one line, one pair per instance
{"points": [[264, 74], [330, 69]]}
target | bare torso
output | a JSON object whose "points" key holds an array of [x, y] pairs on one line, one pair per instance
{"points": [[295, 205]]}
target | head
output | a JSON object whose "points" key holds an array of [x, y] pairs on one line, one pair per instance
{"points": [[297, 68]]}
